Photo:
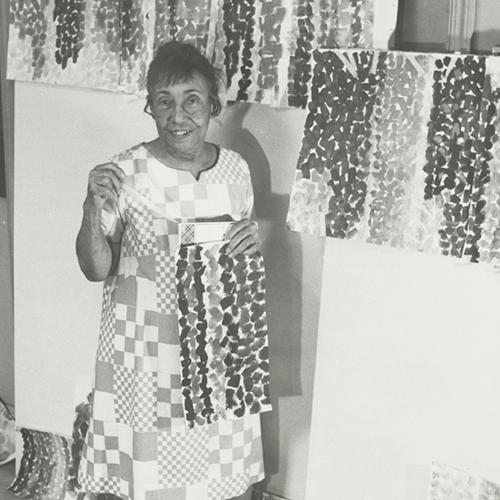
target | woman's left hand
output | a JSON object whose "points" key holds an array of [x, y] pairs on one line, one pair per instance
{"points": [[243, 238]]}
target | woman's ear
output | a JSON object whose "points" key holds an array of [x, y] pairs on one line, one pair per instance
{"points": [[147, 107]]}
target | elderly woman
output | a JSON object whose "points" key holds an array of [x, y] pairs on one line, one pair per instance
{"points": [[138, 446]]}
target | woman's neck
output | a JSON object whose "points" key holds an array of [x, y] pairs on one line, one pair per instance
{"points": [[194, 163]]}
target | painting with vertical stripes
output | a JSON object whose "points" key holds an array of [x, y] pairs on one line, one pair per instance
{"points": [[399, 149], [265, 47]]}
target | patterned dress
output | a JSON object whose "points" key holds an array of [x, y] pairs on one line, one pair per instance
{"points": [[139, 446]]}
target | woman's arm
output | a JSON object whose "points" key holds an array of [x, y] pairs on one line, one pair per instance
{"points": [[97, 255]]}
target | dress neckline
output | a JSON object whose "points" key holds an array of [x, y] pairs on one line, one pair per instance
{"points": [[195, 177]]}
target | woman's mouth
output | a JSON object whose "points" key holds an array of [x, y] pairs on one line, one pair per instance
{"points": [[180, 133]]}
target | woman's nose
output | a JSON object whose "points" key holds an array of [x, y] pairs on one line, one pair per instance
{"points": [[177, 113]]}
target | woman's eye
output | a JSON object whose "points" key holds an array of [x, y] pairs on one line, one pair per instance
{"points": [[164, 103], [193, 100]]}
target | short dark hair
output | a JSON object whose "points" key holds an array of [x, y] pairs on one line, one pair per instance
{"points": [[176, 62]]}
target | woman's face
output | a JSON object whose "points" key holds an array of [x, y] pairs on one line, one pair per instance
{"points": [[182, 114]]}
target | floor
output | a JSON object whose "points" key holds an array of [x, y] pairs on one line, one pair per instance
{"points": [[7, 473]]}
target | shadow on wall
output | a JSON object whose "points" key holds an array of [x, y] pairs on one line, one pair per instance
{"points": [[483, 41], [283, 258]]}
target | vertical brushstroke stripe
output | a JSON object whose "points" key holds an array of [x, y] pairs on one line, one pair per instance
{"points": [[453, 142], [299, 72], [231, 326], [483, 175], [106, 26], [489, 243], [273, 14], [232, 46], [69, 17], [327, 21], [245, 319], [191, 289], [396, 130], [337, 135], [246, 30], [183, 284], [356, 23], [30, 21], [132, 29], [201, 338]]}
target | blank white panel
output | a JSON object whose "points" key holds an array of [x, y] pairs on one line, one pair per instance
{"points": [[407, 373]]}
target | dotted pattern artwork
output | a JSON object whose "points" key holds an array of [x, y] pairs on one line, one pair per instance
{"points": [[44, 468], [264, 47], [448, 482], [223, 334], [399, 149]]}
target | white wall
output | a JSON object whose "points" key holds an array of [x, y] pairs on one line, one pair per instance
{"points": [[407, 373], [61, 133]]}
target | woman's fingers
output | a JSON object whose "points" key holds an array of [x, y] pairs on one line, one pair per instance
{"points": [[105, 182], [243, 238]]}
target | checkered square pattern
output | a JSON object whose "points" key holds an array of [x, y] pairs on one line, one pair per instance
{"points": [[145, 414], [103, 448], [167, 235], [135, 343], [139, 237], [105, 348], [100, 484], [124, 388], [183, 457], [188, 234], [230, 169], [170, 407], [165, 283], [228, 487], [231, 445]]}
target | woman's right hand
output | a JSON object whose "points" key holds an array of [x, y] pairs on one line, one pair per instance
{"points": [[105, 183]]}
